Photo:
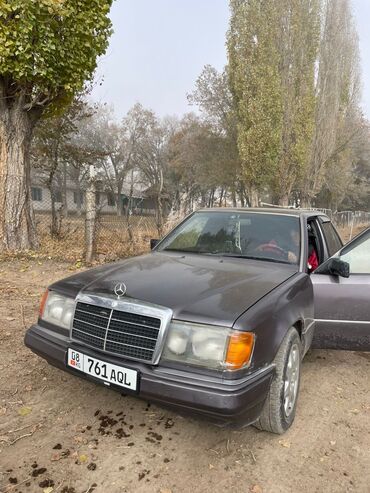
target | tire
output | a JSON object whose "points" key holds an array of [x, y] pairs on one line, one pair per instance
{"points": [[279, 409]]}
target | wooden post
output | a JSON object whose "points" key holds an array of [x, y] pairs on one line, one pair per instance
{"points": [[90, 221]]}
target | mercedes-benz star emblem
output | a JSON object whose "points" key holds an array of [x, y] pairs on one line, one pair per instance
{"points": [[120, 289]]}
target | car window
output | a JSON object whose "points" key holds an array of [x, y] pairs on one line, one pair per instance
{"points": [[332, 239], [357, 254], [273, 237], [188, 234]]}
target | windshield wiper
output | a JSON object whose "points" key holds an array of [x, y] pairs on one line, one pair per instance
{"points": [[177, 250], [225, 254], [183, 250], [251, 257]]}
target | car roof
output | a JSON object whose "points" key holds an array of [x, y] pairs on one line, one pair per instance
{"points": [[286, 211]]}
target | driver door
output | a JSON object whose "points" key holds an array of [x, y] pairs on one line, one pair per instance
{"points": [[342, 305]]}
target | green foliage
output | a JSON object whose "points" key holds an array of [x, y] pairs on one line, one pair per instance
{"points": [[273, 47], [298, 52], [291, 104], [256, 87], [49, 48]]}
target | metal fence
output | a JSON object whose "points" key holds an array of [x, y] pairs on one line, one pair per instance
{"points": [[116, 236], [70, 229], [349, 223], [113, 237], [62, 223]]}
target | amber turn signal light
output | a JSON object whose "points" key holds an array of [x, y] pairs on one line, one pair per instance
{"points": [[43, 303], [239, 351]]}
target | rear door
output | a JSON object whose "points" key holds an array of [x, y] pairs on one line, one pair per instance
{"points": [[342, 305]]}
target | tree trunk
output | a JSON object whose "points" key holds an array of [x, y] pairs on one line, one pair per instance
{"points": [[54, 218], [203, 199], [233, 197], [241, 198], [241, 193], [54, 230], [221, 197], [119, 203], [17, 220], [128, 209], [160, 203], [305, 201], [211, 198], [159, 214], [284, 199], [64, 191], [253, 196]]}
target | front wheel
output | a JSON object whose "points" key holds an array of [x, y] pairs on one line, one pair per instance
{"points": [[280, 406]]}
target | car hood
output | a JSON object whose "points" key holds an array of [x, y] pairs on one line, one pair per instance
{"points": [[197, 288]]}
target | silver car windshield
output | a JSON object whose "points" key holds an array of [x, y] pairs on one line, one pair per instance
{"points": [[271, 237]]}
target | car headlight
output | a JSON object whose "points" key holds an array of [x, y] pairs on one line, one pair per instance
{"points": [[57, 309], [211, 346]]}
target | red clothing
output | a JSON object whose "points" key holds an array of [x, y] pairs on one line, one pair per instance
{"points": [[313, 261]]}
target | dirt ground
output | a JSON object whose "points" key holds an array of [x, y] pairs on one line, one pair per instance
{"points": [[60, 433]]}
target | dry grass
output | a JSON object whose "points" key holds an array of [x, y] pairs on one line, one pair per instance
{"points": [[348, 233], [112, 238], [114, 241]]}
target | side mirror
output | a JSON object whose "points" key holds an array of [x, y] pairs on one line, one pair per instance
{"points": [[153, 243], [334, 267]]}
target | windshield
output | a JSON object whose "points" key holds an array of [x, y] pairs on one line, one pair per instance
{"points": [[271, 237]]}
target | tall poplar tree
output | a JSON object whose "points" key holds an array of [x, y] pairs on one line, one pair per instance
{"points": [[256, 87], [338, 89], [298, 48], [272, 47]]}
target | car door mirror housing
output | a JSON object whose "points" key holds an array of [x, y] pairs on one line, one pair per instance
{"points": [[153, 243], [334, 267]]}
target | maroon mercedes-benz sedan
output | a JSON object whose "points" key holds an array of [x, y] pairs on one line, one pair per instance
{"points": [[217, 318]]}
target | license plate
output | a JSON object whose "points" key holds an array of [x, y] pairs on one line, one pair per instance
{"points": [[110, 374]]}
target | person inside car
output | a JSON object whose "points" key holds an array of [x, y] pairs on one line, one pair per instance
{"points": [[312, 260], [293, 253], [275, 248]]}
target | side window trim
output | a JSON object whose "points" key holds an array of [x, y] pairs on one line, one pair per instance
{"points": [[325, 250], [325, 220], [303, 250], [314, 220]]}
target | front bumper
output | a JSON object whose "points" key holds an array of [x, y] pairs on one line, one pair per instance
{"points": [[222, 401]]}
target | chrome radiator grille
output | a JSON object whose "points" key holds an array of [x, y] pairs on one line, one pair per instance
{"points": [[119, 332]]}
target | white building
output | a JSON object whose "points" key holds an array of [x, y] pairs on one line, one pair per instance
{"points": [[106, 201]]}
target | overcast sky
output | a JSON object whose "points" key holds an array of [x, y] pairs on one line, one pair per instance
{"points": [[159, 48]]}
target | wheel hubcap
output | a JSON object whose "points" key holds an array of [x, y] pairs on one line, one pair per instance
{"points": [[291, 379]]}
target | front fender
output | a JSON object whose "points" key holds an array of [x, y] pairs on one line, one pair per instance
{"points": [[289, 304]]}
